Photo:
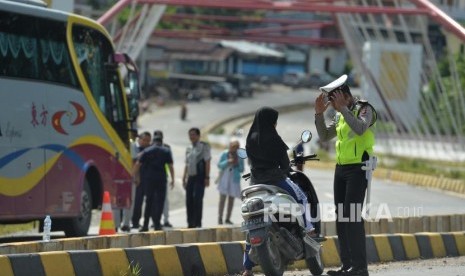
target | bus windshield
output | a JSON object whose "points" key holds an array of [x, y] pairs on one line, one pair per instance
{"points": [[95, 53]]}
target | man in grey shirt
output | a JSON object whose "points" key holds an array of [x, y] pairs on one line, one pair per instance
{"points": [[196, 177]]}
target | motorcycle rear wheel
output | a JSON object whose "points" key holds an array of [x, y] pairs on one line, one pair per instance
{"points": [[315, 264], [270, 258]]}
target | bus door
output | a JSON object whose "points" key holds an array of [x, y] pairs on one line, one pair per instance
{"points": [[94, 52], [118, 119]]}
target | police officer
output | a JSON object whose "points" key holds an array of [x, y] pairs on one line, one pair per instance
{"points": [[158, 139], [352, 125], [151, 164]]}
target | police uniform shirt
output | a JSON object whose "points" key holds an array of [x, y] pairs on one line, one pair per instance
{"points": [[153, 160], [359, 124]]}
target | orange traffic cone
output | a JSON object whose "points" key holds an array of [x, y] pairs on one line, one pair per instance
{"points": [[107, 225]]}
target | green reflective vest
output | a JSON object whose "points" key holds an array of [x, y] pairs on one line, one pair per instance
{"points": [[350, 146]]}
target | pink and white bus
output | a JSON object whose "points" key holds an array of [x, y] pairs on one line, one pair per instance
{"points": [[65, 124]]}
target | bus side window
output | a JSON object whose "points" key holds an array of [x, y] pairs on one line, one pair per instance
{"points": [[34, 50]]}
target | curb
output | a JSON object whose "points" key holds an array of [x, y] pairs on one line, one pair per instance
{"points": [[427, 181], [408, 225], [134, 240], [281, 109], [217, 258]]}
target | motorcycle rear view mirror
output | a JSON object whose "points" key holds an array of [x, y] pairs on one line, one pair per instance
{"points": [[306, 136], [242, 153]]}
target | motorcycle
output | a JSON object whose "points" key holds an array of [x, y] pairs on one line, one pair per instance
{"points": [[276, 234]]}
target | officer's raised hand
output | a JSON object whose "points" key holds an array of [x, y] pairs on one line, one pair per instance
{"points": [[339, 100], [321, 104]]}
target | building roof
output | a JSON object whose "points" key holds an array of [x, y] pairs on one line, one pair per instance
{"points": [[182, 45], [218, 54], [250, 48], [210, 49]]}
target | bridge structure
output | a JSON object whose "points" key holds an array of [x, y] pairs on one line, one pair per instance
{"points": [[413, 77]]}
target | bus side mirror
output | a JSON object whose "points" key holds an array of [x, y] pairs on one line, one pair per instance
{"points": [[133, 84], [133, 94], [133, 106]]}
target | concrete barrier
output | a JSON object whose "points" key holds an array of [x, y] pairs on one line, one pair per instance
{"points": [[444, 223], [217, 258]]}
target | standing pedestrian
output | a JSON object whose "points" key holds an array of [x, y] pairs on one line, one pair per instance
{"points": [[229, 180], [151, 164], [144, 140], [352, 126], [158, 138], [183, 111], [127, 212], [196, 177]]}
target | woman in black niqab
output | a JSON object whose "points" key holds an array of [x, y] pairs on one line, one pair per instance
{"points": [[266, 150], [263, 141], [269, 164]]}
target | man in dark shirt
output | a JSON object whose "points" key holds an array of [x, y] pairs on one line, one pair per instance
{"points": [[144, 141], [151, 164]]}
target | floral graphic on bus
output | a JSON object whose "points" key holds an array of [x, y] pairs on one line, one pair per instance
{"points": [[79, 117]]}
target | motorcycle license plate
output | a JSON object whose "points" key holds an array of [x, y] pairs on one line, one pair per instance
{"points": [[254, 223]]}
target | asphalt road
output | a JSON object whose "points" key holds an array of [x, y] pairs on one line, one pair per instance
{"points": [[395, 199], [388, 198], [400, 199], [431, 267]]}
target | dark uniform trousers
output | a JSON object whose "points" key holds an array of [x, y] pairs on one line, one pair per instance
{"points": [[138, 201], [195, 190], [155, 200], [350, 184]]}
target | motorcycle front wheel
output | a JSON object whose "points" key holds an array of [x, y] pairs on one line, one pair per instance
{"points": [[270, 258]]}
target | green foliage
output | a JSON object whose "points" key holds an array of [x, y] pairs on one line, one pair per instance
{"points": [[218, 131], [385, 127], [444, 67], [423, 166], [194, 23], [132, 270], [348, 66], [445, 100], [13, 228], [446, 169]]}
